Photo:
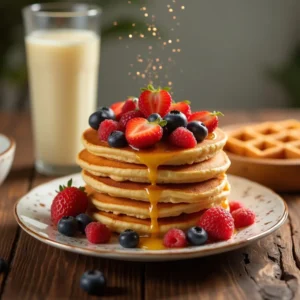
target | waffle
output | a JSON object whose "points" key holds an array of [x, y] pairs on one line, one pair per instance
{"points": [[276, 140]]}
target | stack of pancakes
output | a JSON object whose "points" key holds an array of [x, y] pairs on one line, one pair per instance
{"points": [[153, 190]]}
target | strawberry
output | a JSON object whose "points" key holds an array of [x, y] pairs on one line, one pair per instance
{"points": [[69, 201], [130, 104], [142, 134], [117, 109], [183, 106], [128, 116], [106, 128], [210, 119], [155, 101], [183, 138]]}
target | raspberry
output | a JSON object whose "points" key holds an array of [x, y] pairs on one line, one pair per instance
{"points": [[70, 201], [106, 128], [130, 104], [97, 233], [218, 224], [234, 205], [128, 116], [175, 238], [183, 138], [243, 217]]}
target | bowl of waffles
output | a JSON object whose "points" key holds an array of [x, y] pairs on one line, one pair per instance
{"points": [[268, 153]]}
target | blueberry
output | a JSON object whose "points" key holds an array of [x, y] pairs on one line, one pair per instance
{"points": [[83, 220], [3, 266], [198, 129], [93, 282], [129, 239], [117, 139], [196, 236], [174, 120], [67, 226], [100, 115], [154, 117]]}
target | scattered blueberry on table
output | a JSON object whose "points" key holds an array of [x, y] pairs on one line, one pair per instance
{"points": [[93, 282]]}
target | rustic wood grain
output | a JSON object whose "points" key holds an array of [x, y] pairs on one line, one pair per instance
{"points": [[268, 269]]}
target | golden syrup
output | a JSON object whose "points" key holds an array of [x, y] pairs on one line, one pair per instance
{"points": [[153, 161], [211, 136], [224, 204]]}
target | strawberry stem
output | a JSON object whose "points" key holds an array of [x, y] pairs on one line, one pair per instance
{"points": [[69, 184], [216, 113], [152, 89]]}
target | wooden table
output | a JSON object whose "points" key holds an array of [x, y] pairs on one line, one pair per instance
{"points": [[268, 269]]}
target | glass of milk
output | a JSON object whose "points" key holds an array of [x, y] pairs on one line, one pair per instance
{"points": [[63, 48]]}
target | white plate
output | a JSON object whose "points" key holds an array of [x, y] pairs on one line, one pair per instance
{"points": [[32, 212]]}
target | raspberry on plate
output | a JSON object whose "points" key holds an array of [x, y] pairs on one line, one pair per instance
{"points": [[243, 217], [97, 233], [70, 201], [183, 138], [106, 128], [218, 223], [234, 205], [175, 238]]}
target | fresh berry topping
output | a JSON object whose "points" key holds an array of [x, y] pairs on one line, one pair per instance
{"points": [[128, 116], [154, 117], [99, 116], [196, 236], [70, 201], [129, 239], [3, 266], [142, 134], [93, 282], [155, 101], [106, 128], [117, 139], [183, 106], [234, 205], [183, 138], [67, 226], [174, 120], [174, 238], [210, 119], [218, 223], [198, 129], [130, 104], [97, 233], [83, 220], [243, 217], [117, 109]]}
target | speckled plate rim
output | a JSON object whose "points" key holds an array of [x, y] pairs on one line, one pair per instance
{"points": [[150, 255], [260, 161], [12, 145]]}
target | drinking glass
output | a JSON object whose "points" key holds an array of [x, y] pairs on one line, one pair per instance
{"points": [[63, 52]]}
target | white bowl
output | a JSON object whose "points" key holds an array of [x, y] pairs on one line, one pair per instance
{"points": [[7, 153]]}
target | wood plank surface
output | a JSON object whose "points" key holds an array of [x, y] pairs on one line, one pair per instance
{"points": [[267, 269]]}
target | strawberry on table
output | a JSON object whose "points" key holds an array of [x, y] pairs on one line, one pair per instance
{"points": [[209, 119], [129, 105], [140, 133], [183, 106], [154, 100], [69, 201], [117, 109]]}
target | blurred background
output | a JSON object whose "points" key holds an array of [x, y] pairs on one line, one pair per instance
{"points": [[229, 54]]}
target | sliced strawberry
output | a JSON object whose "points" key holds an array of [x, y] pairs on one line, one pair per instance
{"points": [[130, 104], [117, 108], [183, 138], [183, 106], [128, 116], [210, 119], [142, 134], [155, 101]]}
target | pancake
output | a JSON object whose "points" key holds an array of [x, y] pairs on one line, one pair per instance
{"points": [[140, 209], [119, 223], [167, 154], [172, 193], [121, 171]]}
